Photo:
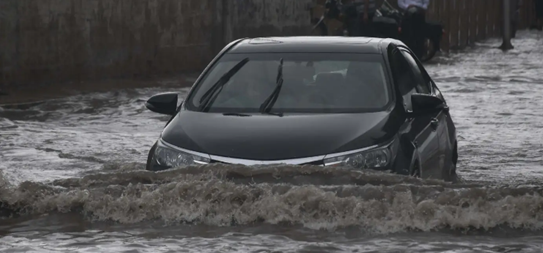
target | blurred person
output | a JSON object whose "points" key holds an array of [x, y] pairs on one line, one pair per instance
{"points": [[332, 6], [414, 22], [360, 13], [515, 16], [539, 14], [406, 4]]}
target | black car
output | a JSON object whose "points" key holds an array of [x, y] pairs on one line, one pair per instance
{"points": [[354, 102]]}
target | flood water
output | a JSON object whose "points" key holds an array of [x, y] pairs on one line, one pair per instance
{"points": [[72, 176]]}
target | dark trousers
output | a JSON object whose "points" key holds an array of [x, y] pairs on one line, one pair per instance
{"points": [[539, 9], [414, 28], [365, 29], [357, 27], [538, 15]]}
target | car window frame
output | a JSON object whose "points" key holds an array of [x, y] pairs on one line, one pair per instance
{"points": [[422, 79], [395, 61], [406, 98], [434, 89], [430, 82]]}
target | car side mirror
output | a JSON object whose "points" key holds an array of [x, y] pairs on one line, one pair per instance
{"points": [[424, 103], [164, 103]]}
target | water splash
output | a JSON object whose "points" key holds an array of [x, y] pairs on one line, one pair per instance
{"points": [[220, 195]]}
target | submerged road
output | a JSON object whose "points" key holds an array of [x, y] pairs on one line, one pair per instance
{"points": [[75, 164]]}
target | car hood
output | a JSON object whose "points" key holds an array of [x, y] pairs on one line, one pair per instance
{"points": [[268, 137]]}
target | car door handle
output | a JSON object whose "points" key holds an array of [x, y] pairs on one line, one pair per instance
{"points": [[434, 123]]}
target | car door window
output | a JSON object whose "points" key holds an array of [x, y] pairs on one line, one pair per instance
{"points": [[422, 83], [426, 78], [402, 73]]}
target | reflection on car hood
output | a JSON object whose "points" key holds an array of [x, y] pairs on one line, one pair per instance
{"points": [[268, 138]]}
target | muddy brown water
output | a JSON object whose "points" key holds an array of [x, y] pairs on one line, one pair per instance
{"points": [[72, 174]]}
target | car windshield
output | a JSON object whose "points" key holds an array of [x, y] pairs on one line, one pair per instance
{"points": [[312, 83]]}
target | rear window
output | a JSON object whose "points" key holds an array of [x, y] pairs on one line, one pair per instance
{"points": [[312, 83]]}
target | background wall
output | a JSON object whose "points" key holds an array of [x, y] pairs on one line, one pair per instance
{"points": [[45, 41], [246, 18], [58, 40], [467, 21]]}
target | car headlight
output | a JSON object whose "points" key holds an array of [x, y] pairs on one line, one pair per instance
{"points": [[369, 159], [168, 156]]}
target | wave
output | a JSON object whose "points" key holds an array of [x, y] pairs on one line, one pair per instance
{"points": [[312, 196]]}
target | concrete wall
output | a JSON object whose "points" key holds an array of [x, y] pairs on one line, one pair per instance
{"points": [[246, 18], [50, 41], [43, 41]]}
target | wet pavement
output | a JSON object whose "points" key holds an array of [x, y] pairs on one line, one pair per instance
{"points": [[73, 169]]}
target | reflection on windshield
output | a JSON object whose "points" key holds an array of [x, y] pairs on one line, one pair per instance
{"points": [[311, 83]]}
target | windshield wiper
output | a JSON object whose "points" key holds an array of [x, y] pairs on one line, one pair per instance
{"points": [[270, 101], [209, 97], [236, 114]]}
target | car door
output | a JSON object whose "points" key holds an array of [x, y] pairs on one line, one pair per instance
{"points": [[425, 128], [445, 128]]}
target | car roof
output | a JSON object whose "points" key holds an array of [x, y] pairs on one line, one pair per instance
{"points": [[310, 44]]}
